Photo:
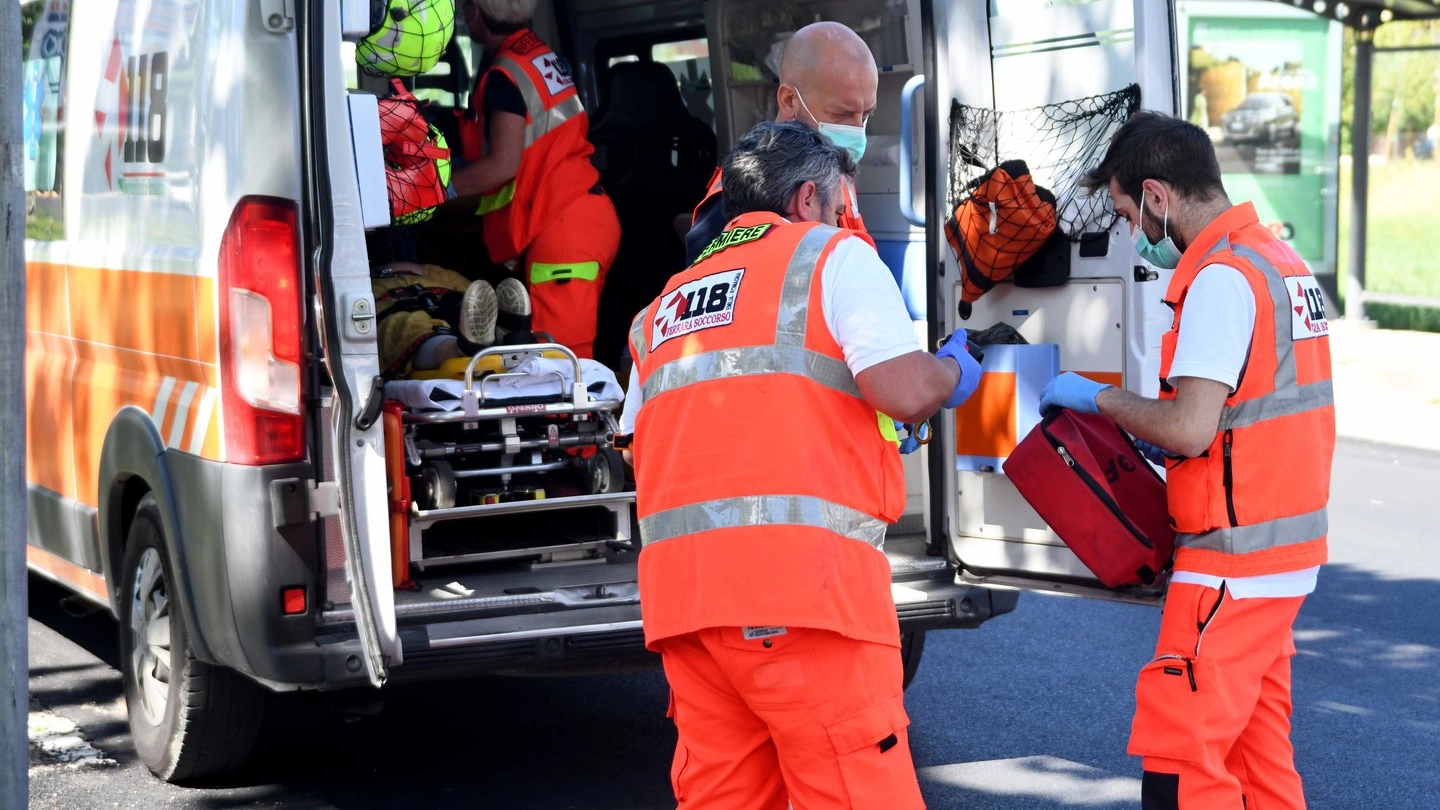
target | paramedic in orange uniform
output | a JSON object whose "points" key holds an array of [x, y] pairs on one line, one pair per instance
{"points": [[828, 80], [527, 156], [766, 479], [1247, 420]]}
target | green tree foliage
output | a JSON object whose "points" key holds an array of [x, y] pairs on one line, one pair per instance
{"points": [[1405, 81]]}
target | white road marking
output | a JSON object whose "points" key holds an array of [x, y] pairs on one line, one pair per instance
{"points": [[57, 742], [1041, 777]]}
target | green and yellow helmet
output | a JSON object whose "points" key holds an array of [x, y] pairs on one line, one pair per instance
{"points": [[408, 37]]}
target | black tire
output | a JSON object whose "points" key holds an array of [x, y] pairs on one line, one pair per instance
{"points": [[190, 721], [912, 648], [604, 472]]}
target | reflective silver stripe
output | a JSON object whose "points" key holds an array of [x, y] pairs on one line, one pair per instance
{"points": [[1287, 398], [763, 510], [1282, 402], [1260, 536], [638, 347], [1280, 301], [540, 120], [787, 356], [794, 312], [745, 360]]}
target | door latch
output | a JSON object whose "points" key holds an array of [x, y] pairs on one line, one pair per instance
{"points": [[278, 16], [362, 316]]}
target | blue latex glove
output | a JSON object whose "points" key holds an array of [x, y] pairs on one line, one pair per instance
{"points": [[1155, 454], [1072, 391], [955, 349], [915, 436]]}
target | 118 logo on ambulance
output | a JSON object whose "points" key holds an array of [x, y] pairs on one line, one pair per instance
{"points": [[700, 304]]}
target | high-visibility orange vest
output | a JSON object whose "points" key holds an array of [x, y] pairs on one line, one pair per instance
{"points": [[1255, 502], [850, 220], [764, 484], [555, 167]]}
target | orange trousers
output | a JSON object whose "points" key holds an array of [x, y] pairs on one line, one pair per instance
{"points": [[806, 718], [565, 267], [1212, 710]]}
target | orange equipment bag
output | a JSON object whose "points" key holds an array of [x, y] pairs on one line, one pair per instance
{"points": [[1004, 221]]}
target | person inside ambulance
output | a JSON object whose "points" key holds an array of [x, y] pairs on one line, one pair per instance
{"points": [[1246, 420], [527, 157], [766, 590], [429, 314], [828, 80]]}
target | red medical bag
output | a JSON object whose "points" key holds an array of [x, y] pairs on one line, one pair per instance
{"points": [[1085, 477]]}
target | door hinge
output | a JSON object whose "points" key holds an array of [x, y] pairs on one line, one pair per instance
{"points": [[295, 501], [278, 16]]}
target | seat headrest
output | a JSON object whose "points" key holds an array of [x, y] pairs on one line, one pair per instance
{"points": [[644, 92]]}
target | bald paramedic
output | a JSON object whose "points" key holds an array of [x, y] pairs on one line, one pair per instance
{"points": [[828, 80], [1246, 418], [528, 157], [766, 476]]}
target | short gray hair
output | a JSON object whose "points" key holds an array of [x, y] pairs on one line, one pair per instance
{"points": [[772, 161], [507, 11]]}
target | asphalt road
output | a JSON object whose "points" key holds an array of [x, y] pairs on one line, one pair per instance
{"points": [[1030, 711]]}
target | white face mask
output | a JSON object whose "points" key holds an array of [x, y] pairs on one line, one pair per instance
{"points": [[847, 137]]}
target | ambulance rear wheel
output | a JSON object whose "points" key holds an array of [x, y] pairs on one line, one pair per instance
{"points": [[189, 720], [912, 647], [604, 472]]}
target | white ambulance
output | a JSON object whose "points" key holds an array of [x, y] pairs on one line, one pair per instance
{"points": [[210, 455]]}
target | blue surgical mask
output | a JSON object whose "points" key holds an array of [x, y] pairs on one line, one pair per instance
{"points": [[1165, 255], [847, 137]]}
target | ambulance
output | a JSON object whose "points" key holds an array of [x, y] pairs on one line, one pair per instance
{"points": [[212, 454]]}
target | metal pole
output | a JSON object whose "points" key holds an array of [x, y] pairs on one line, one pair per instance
{"points": [[1359, 174], [14, 653]]}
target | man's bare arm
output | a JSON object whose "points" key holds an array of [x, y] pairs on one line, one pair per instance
{"points": [[911, 387], [1184, 425], [507, 141]]}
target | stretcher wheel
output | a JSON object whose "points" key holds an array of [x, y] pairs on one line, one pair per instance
{"points": [[440, 485], [604, 472]]}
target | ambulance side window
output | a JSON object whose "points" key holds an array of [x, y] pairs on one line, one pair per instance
{"points": [[44, 32]]}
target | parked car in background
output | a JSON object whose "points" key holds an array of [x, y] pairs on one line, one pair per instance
{"points": [[1262, 118]]}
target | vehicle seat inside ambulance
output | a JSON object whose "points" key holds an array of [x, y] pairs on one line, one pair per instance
{"points": [[655, 159]]}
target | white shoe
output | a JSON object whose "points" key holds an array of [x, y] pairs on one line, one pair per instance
{"points": [[514, 304], [478, 310]]}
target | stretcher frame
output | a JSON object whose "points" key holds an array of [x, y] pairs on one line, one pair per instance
{"points": [[572, 401]]}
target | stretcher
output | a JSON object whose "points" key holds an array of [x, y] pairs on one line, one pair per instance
{"points": [[521, 468]]}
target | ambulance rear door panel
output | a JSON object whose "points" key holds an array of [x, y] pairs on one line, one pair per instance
{"points": [[348, 324], [1105, 319], [745, 56]]}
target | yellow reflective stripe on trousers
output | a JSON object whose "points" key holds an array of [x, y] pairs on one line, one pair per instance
{"points": [[540, 272], [539, 120], [496, 200], [763, 510], [1276, 533]]}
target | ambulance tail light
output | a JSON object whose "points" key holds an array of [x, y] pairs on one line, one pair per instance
{"points": [[260, 334]]}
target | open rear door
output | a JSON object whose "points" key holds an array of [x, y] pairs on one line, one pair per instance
{"points": [[346, 310], [1057, 74]]}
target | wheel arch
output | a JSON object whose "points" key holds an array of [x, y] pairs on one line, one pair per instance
{"points": [[132, 463]]}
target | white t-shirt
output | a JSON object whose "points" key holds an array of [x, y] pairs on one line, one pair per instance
{"points": [[1215, 329], [863, 310]]}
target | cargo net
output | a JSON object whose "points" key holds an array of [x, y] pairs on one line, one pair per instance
{"points": [[1059, 142]]}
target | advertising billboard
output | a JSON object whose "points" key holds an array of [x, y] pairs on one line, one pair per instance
{"points": [[1264, 81]]}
